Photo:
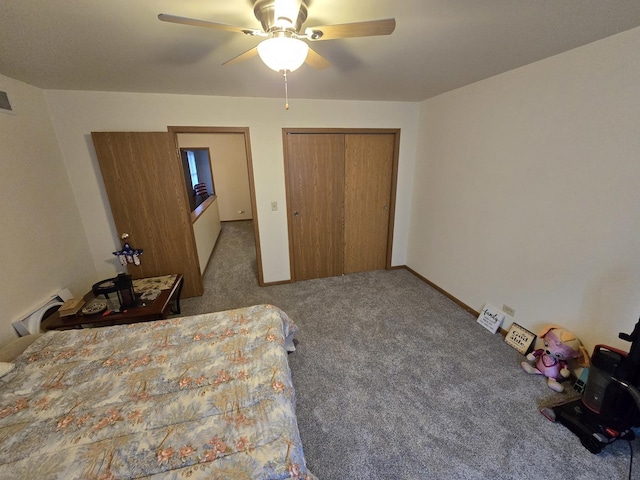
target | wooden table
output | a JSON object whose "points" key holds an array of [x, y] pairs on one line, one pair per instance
{"points": [[168, 301]]}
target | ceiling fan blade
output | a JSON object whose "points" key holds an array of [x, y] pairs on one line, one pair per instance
{"points": [[203, 23], [317, 61], [252, 52], [350, 30]]}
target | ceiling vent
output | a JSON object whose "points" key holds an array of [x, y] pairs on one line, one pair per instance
{"points": [[5, 105]]}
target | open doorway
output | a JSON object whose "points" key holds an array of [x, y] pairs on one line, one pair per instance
{"points": [[232, 171]]}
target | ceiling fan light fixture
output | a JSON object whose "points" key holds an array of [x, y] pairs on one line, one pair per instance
{"points": [[283, 54]]}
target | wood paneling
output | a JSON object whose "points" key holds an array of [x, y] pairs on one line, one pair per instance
{"points": [[145, 184], [368, 174], [315, 179]]}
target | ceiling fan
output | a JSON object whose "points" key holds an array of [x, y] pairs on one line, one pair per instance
{"points": [[283, 49]]}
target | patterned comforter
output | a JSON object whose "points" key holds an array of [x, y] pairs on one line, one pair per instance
{"points": [[208, 396]]}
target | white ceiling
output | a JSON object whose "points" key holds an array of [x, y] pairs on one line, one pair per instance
{"points": [[438, 45]]}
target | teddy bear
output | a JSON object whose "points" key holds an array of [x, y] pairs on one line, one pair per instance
{"points": [[560, 347]]}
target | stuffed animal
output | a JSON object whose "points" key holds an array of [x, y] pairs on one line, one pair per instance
{"points": [[560, 347]]}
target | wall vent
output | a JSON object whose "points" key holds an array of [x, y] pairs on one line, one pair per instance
{"points": [[5, 105]]}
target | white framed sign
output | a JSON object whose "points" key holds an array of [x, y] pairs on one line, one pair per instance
{"points": [[491, 318]]}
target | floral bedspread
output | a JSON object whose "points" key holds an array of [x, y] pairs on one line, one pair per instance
{"points": [[208, 396]]}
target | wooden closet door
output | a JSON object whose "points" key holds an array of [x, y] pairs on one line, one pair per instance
{"points": [[315, 171], [368, 176], [146, 188]]}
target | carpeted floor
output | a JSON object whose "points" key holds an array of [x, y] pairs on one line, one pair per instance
{"points": [[395, 381]]}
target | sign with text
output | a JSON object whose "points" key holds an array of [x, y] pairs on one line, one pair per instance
{"points": [[491, 318], [520, 338]]}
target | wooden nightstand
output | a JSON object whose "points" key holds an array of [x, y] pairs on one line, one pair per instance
{"points": [[168, 301]]}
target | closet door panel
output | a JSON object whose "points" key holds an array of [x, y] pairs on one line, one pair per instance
{"points": [[145, 185], [368, 178], [316, 197]]}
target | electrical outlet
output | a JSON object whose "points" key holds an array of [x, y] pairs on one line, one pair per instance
{"points": [[274, 206], [508, 310]]}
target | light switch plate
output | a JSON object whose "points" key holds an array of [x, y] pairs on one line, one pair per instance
{"points": [[508, 310]]}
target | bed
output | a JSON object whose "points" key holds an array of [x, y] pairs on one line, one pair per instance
{"points": [[207, 396]]}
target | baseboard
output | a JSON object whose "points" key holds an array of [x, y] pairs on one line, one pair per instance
{"points": [[271, 284], [459, 302], [443, 291]]}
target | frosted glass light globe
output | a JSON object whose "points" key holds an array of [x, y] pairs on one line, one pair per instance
{"points": [[283, 53]]}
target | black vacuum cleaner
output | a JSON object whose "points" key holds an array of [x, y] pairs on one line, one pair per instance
{"points": [[610, 406]]}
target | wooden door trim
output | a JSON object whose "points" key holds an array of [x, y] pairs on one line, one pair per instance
{"points": [[392, 200], [343, 130], [287, 189], [394, 180], [252, 188]]}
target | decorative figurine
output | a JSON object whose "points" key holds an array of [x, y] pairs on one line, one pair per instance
{"points": [[128, 255]]}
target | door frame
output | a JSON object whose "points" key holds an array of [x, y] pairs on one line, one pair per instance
{"points": [[394, 181], [252, 190]]}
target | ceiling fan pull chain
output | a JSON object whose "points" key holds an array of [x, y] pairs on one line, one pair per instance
{"points": [[286, 91]]}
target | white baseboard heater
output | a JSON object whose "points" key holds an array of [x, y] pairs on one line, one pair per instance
{"points": [[31, 323]]}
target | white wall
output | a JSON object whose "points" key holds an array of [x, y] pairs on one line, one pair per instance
{"points": [[44, 247], [527, 191], [76, 114], [206, 230]]}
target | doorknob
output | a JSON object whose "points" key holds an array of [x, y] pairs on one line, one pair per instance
{"points": [[296, 213], [124, 236]]}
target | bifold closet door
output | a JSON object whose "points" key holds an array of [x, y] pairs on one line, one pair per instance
{"points": [[368, 176], [316, 194]]}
